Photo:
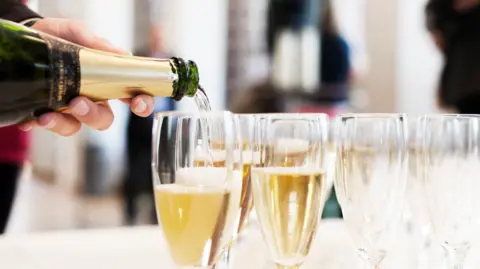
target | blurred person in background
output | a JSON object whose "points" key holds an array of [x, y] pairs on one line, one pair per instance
{"points": [[335, 53], [455, 28], [13, 155], [335, 64], [138, 184]]}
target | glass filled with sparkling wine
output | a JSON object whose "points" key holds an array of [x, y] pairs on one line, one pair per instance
{"points": [[288, 182], [197, 187]]}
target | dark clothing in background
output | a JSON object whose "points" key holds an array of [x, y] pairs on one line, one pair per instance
{"points": [[15, 10], [139, 175], [9, 174], [13, 149], [335, 59], [460, 32], [292, 14], [460, 82]]}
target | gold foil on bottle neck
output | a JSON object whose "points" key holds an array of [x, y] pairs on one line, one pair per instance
{"points": [[110, 76]]}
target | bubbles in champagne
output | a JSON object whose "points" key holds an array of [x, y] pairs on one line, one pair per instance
{"points": [[193, 220], [288, 205], [217, 177]]}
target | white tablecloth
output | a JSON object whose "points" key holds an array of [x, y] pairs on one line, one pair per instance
{"points": [[142, 247]]}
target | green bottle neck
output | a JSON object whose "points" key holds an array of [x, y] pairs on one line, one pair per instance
{"points": [[187, 83]]}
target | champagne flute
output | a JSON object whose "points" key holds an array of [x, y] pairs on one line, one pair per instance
{"points": [[245, 149], [416, 213], [247, 125], [288, 183], [370, 179], [330, 162], [197, 188], [449, 155]]}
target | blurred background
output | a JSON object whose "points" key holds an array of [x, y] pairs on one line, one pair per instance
{"points": [[254, 56]]}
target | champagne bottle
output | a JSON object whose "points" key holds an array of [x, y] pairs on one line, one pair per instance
{"points": [[41, 73]]}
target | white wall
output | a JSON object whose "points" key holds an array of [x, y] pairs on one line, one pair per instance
{"points": [[33, 5], [419, 62], [401, 64], [381, 42], [197, 30]]}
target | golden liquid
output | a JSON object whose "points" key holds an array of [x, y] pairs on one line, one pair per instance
{"points": [[200, 163], [288, 204], [246, 200], [193, 219]]}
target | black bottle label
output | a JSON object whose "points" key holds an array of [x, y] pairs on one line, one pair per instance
{"points": [[64, 64]]}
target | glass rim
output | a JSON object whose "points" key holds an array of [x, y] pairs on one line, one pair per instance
{"points": [[372, 115], [179, 113], [450, 116], [290, 115]]}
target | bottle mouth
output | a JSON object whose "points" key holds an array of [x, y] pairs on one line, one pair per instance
{"points": [[187, 82], [192, 79]]}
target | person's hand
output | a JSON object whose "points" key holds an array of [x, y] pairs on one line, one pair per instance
{"points": [[82, 110]]}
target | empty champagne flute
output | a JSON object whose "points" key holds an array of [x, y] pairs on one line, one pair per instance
{"points": [[330, 162], [288, 182], [415, 209], [450, 147], [197, 187], [370, 179]]}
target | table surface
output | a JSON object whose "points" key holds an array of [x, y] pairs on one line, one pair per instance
{"points": [[142, 247]]}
